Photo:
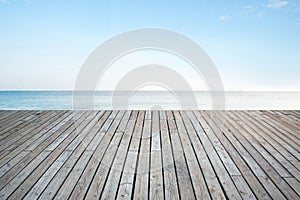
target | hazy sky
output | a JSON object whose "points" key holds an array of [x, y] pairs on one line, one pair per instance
{"points": [[255, 45]]}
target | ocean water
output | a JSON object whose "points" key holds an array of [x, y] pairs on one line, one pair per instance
{"points": [[146, 100]]}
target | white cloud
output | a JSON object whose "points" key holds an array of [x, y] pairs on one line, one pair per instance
{"points": [[251, 8], [225, 17], [277, 3]]}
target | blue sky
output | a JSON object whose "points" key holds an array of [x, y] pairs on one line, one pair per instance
{"points": [[255, 45]]}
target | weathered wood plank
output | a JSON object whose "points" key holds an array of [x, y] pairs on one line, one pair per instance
{"points": [[199, 184], [282, 124], [284, 162], [288, 141], [171, 190], [30, 180], [15, 139], [294, 184], [114, 139], [231, 145], [112, 183], [222, 175], [18, 137], [38, 134], [283, 187], [98, 147], [263, 147], [12, 122], [184, 180], [41, 184], [56, 183], [13, 183], [30, 157], [149, 155], [143, 164], [156, 174], [210, 176], [126, 184]]}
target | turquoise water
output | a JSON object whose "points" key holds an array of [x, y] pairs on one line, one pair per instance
{"points": [[35, 100], [63, 100]]}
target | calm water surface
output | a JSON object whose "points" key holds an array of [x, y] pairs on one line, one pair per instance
{"points": [[63, 100]]}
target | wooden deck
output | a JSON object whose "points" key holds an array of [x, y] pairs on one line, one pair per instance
{"points": [[149, 155]]}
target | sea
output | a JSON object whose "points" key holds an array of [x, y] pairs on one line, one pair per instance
{"points": [[147, 100]]}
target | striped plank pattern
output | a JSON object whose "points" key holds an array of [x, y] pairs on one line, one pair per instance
{"points": [[149, 154]]}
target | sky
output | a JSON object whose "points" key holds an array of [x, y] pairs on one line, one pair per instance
{"points": [[255, 45]]}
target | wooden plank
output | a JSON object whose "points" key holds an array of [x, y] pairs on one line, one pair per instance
{"points": [[288, 141], [149, 155], [14, 141], [124, 122], [97, 139], [13, 124], [171, 190], [220, 150], [294, 184], [98, 147], [184, 180], [56, 183], [169, 114], [199, 184], [162, 115], [275, 149], [293, 124], [263, 147], [289, 115], [272, 174], [246, 153], [211, 180], [18, 137], [252, 181], [5, 114], [13, 184], [18, 123], [8, 114], [71, 181], [295, 113], [156, 174], [48, 127], [18, 157], [134, 114], [143, 163], [10, 160], [222, 175], [126, 184], [89, 132], [12, 128], [148, 115], [281, 124], [13, 121], [28, 159], [94, 123], [277, 125], [98, 182], [43, 166], [112, 183], [74, 117], [41, 184]]}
